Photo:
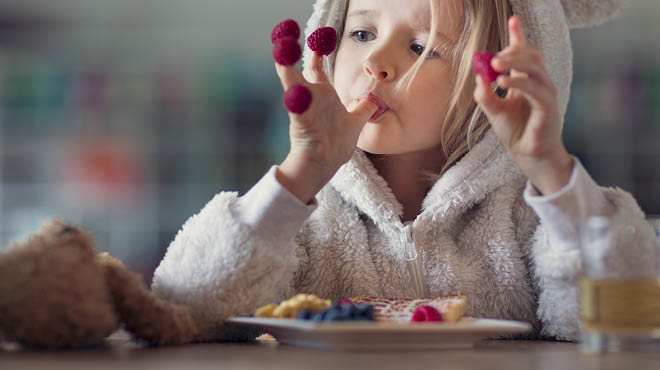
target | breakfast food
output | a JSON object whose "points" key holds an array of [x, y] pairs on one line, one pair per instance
{"points": [[297, 99], [287, 28], [341, 312], [390, 310], [401, 310], [291, 307], [481, 65], [286, 51], [323, 40]]}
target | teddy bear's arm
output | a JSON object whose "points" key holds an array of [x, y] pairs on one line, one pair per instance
{"points": [[144, 314]]}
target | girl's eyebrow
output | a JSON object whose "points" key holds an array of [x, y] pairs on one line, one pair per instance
{"points": [[362, 13]]}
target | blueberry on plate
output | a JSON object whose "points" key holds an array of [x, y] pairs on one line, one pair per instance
{"points": [[349, 311], [304, 314], [334, 315]]}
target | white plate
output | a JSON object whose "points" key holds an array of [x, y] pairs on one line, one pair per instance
{"points": [[360, 335]]}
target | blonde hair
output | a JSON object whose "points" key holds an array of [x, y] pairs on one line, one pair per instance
{"points": [[484, 28]]}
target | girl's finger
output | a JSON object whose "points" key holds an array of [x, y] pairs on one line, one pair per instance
{"points": [[516, 34], [537, 95], [485, 96], [528, 62], [289, 76], [362, 110], [316, 72]]}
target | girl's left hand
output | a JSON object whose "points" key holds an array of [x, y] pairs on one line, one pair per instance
{"points": [[527, 120]]}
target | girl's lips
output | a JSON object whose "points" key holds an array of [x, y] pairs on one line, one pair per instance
{"points": [[382, 107]]}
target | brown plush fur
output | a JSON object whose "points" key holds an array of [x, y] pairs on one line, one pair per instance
{"points": [[56, 292]]}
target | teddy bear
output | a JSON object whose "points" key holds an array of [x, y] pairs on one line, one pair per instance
{"points": [[57, 292]]}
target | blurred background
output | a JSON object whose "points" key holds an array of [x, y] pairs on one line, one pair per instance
{"points": [[127, 116]]}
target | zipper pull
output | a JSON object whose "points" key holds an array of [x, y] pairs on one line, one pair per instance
{"points": [[409, 251]]}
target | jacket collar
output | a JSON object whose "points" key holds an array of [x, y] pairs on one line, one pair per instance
{"points": [[482, 170]]}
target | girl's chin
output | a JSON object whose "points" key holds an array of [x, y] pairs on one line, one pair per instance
{"points": [[377, 147], [380, 139], [372, 141]]}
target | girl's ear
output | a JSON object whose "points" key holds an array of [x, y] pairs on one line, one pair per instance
{"points": [[588, 13]]}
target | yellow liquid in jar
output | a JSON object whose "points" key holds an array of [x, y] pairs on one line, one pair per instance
{"points": [[621, 306]]}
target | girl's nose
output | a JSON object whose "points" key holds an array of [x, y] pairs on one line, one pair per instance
{"points": [[378, 70]]}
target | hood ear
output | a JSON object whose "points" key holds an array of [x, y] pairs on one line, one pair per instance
{"points": [[588, 13]]}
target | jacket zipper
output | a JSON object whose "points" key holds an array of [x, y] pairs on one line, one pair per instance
{"points": [[411, 256]]}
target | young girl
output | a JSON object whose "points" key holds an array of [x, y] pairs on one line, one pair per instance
{"points": [[454, 187]]}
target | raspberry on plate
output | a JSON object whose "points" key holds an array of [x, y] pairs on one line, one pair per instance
{"points": [[297, 99], [286, 51], [481, 66], [344, 301], [323, 41], [287, 28], [426, 313]]}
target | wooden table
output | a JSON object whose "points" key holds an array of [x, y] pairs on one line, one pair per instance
{"points": [[121, 353]]}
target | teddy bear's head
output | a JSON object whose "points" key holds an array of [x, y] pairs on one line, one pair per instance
{"points": [[50, 284], [56, 292]]}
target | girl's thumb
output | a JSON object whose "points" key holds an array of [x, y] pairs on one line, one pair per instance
{"points": [[489, 102], [362, 110]]}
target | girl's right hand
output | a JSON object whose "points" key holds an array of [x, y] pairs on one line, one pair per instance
{"points": [[322, 138]]}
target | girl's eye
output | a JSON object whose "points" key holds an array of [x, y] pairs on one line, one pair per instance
{"points": [[362, 36], [419, 49]]}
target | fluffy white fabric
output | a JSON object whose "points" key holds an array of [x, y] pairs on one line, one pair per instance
{"points": [[475, 235]]}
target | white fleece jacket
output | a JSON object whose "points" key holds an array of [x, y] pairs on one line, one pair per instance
{"points": [[476, 235]]}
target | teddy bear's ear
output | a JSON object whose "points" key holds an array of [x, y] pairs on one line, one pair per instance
{"points": [[65, 234], [58, 228], [588, 13]]}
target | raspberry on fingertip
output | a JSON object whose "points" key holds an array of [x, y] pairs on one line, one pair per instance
{"points": [[287, 28], [323, 41], [297, 99], [287, 51]]}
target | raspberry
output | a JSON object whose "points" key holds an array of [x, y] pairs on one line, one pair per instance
{"points": [[286, 51], [287, 28], [323, 40], [297, 99], [481, 65], [426, 313], [418, 316]]}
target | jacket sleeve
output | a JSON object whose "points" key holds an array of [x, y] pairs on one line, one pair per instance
{"points": [[236, 254], [556, 245]]}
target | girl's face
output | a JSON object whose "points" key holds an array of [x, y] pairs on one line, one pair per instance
{"points": [[382, 39]]}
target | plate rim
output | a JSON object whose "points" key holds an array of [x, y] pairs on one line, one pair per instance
{"points": [[467, 325]]}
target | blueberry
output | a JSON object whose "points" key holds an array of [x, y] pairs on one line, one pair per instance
{"points": [[349, 310], [366, 310], [304, 314], [335, 306], [334, 315], [317, 316], [366, 307]]}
